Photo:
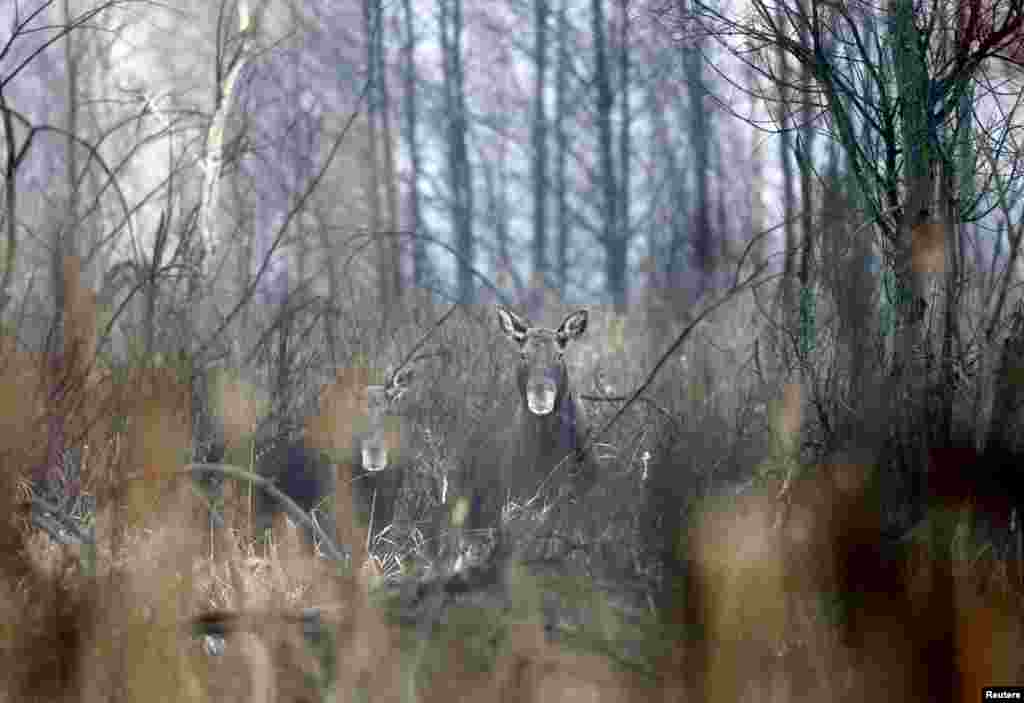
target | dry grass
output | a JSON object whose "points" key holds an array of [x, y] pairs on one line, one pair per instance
{"points": [[118, 626], [766, 567], [795, 595], [804, 600]]}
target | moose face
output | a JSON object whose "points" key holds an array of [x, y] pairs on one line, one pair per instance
{"points": [[542, 377], [381, 401]]}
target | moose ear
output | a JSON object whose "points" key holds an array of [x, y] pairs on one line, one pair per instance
{"points": [[399, 384], [402, 377], [512, 325], [572, 327]]}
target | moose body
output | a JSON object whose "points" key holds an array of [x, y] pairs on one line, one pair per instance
{"points": [[306, 476], [352, 492]]}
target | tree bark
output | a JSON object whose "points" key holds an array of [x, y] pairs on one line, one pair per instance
{"points": [[562, 213], [539, 139], [393, 273], [615, 251], [420, 261], [459, 172]]}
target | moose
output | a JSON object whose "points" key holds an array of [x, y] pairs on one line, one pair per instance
{"points": [[540, 454], [352, 491], [548, 430]]}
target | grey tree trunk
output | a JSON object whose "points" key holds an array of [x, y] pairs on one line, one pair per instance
{"points": [[1008, 405], [459, 172], [807, 176], [64, 245], [539, 140], [788, 283], [701, 234], [371, 162], [497, 175], [562, 149], [611, 240], [623, 224], [62, 346], [912, 83], [393, 273], [420, 260]]}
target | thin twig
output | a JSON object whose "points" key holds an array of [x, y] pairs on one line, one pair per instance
{"points": [[423, 340]]}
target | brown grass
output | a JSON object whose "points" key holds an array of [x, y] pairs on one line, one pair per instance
{"points": [[909, 626], [796, 595], [765, 565]]}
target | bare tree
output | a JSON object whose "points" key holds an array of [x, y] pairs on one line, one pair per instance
{"points": [[701, 233], [410, 103], [460, 181], [380, 163], [892, 105], [623, 225], [613, 241], [539, 139], [562, 150], [783, 106]]}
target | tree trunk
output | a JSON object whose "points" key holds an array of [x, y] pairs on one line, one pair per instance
{"points": [[392, 226], [615, 265], [371, 163], [64, 246], [420, 262], [908, 367], [788, 283], [501, 224], [459, 174], [701, 235], [562, 146], [807, 176], [539, 139], [623, 224]]}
